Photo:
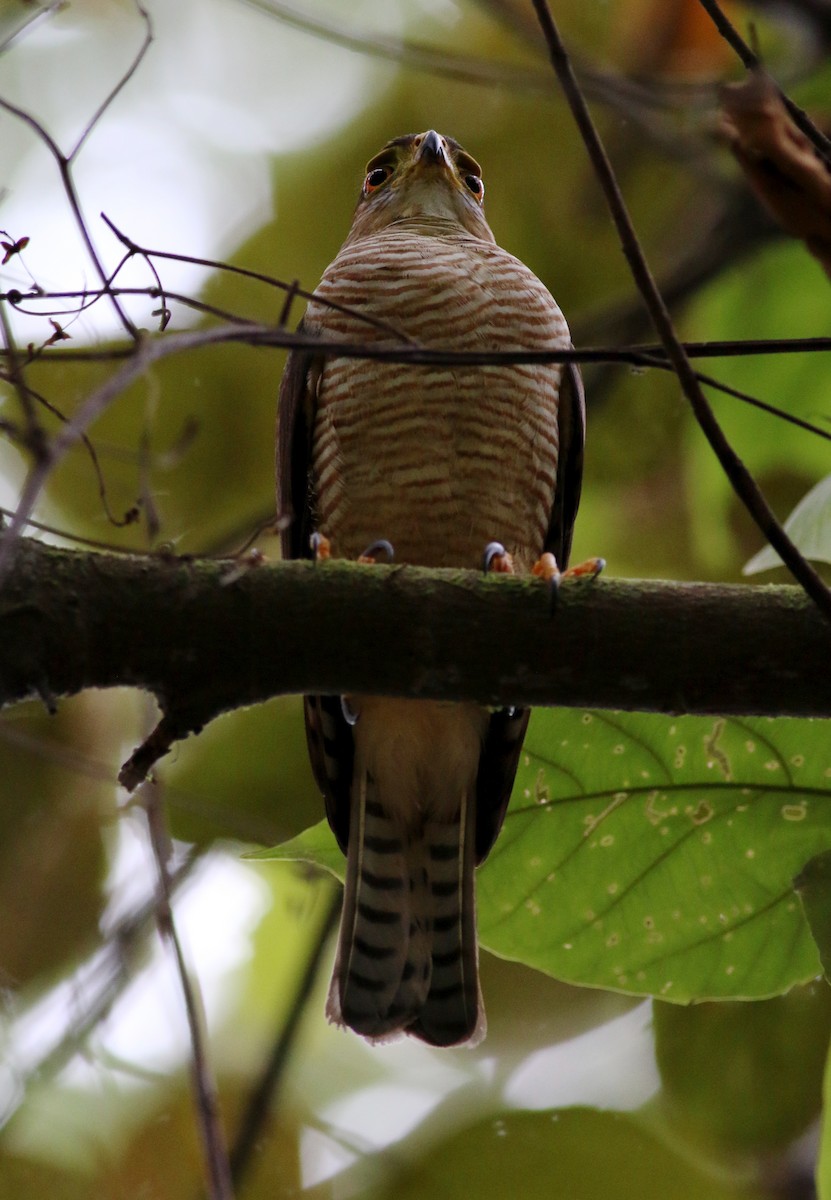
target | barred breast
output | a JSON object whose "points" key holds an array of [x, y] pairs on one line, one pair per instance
{"points": [[402, 451]]}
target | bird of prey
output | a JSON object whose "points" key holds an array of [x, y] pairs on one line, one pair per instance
{"points": [[445, 464]]}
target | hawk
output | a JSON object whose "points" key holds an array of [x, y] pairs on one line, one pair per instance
{"points": [[441, 463]]}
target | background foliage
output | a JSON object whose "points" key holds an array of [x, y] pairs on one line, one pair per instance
{"points": [[243, 137]]}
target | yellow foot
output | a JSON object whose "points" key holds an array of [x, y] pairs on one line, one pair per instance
{"points": [[546, 568], [321, 547]]}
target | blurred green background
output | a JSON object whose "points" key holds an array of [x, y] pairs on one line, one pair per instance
{"points": [[242, 137]]}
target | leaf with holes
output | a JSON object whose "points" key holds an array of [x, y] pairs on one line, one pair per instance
{"points": [[654, 855]]}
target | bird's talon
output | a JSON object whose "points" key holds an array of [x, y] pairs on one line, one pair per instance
{"points": [[496, 558], [546, 568], [321, 547], [589, 569], [382, 545]]}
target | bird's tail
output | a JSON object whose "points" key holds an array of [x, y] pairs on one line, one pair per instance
{"points": [[407, 957]]}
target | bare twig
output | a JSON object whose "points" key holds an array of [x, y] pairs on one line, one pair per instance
{"points": [[217, 1168], [69, 436], [65, 170], [641, 101], [291, 288], [150, 350], [131, 514], [65, 163], [120, 85], [33, 434], [743, 482], [262, 1094], [106, 973], [29, 21], [752, 61], [155, 746]]}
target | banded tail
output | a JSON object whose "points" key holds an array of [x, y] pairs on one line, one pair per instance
{"points": [[407, 957]]}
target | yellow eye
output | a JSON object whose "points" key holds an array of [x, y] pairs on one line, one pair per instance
{"points": [[376, 178], [474, 184]]}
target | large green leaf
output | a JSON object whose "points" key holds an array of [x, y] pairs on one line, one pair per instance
{"points": [[654, 855], [577, 1154], [744, 1078]]}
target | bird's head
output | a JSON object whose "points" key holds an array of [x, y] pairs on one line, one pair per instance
{"points": [[425, 178]]}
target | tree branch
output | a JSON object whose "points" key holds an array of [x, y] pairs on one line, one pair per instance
{"points": [[205, 636]]}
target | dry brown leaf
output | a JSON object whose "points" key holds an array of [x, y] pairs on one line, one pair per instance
{"points": [[781, 165]]}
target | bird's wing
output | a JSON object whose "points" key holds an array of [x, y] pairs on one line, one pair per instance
{"points": [[295, 426], [329, 736], [506, 728], [571, 420]]}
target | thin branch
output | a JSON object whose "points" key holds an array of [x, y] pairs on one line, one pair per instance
{"points": [[105, 974], [260, 277], [33, 436], [69, 436], [131, 515], [752, 61], [122, 83], [90, 298], [29, 21], [265, 1088], [207, 1106], [745, 397], [743, 482], [638, 100], [150, 350], [64, 164]]}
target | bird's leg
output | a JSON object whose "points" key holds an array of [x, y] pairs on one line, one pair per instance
{"points": [[496, 558], [382, 545]]}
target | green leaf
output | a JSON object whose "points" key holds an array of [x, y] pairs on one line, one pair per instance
{"points": [[823, 1176], [653, 855], [576, 1153], [315, 845], [744, 1077], [809, 527], [813, 886]]}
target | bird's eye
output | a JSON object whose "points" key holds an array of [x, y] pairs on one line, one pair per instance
{"points": [[376, 178], [475, 185]]}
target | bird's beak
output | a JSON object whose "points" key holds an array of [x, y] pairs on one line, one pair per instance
{"points": [[432, 151]]}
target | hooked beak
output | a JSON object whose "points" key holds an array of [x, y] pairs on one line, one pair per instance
{"points": [[431, 151]]}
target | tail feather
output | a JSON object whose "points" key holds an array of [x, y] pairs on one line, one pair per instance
{"points": [[407, 956], [452, 1012], [375, 983]]}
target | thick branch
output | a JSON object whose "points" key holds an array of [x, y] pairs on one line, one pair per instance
{"points": [[205, 637]]}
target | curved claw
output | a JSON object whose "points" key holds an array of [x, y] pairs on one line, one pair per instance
{"points": [[496, 558], [546, 568], [370, 554], [321, 547]]}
